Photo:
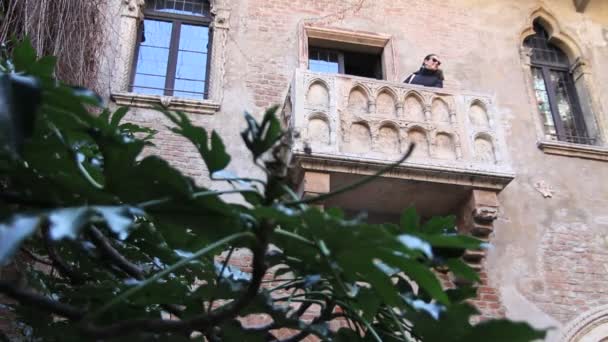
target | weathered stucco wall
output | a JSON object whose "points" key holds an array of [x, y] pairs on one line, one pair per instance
{"points": [[549, 260]]}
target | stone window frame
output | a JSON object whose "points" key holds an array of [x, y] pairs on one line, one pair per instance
{"points": [[345, 36], [131, 15], [582, 75]]}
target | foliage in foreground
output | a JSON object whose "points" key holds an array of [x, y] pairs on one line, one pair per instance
{"points": [[115, 241]]}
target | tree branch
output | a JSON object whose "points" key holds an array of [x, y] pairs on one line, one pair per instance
{"points": [[36, 258], [119, 260], [115, 257], [199, 322], [25, 296], [62, 266]]}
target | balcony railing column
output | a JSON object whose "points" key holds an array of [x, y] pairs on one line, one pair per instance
{"points": [[399, 108], [452, 117], [371, 106], [427, 113]]}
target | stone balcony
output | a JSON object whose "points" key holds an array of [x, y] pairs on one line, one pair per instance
{"points": [[354, 125]]}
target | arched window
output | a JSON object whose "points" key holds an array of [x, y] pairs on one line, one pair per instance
{"points": [[556, 96], [173, 48]]}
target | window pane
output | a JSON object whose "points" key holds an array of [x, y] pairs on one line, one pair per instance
{"points": [[542, 101], [191, 70], [564, 105], [149, 84], [191, 65], [152, 58], [189, 7], [194, 38], [191, 89], [322, 60], [157, 33]]}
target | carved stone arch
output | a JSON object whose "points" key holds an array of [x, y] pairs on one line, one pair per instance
{"points": [[415, 107], [418, 135], [368, 92], [440, 109], [444, 145], [359, 98], [417, 95], [321, 96], [484, 148], [591, 325], [479, 114], [317, 80], [386, 100], [318, 129], [389, 90], [557, 35], [388, 139], [359, 137], [391, 123]]}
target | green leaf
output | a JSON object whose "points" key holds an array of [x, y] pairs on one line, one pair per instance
{"points": [[439, 225], [503, 331], [215, 157], [410, 221], [259, 138], [420, 274], [234, 331], [44, 67], [462, 293], [24, 55], [346, 335], [117, 116], [368, 302], [462, 270]]}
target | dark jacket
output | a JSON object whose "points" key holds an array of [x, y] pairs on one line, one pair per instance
{"points": [[427, 78]]}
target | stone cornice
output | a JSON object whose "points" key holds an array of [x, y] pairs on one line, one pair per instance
{"points": [[574, 150], [429, 173], [354, 37], [167, 102]]}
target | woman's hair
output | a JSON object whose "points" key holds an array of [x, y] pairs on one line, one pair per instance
{"points": [[429, 56]]}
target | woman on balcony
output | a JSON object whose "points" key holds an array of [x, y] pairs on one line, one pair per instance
{"points": [[429, 74]]}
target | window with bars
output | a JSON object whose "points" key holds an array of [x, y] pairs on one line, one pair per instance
{"points": [[173, 50], [555, 92]]}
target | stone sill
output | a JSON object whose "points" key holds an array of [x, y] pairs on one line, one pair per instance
{"points": [[168, 102], [574, 150]]}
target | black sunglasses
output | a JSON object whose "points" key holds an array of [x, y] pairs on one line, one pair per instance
{"points": [[435, 60]]}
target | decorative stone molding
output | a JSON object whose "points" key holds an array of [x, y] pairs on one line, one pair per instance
{"points": [[584, 327], [221, 18], [574, 150], [347, 36], [411, 171], [477, 219], [132, 8], [558, 35], [167, 102], [580, 5], [485, 214]]}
